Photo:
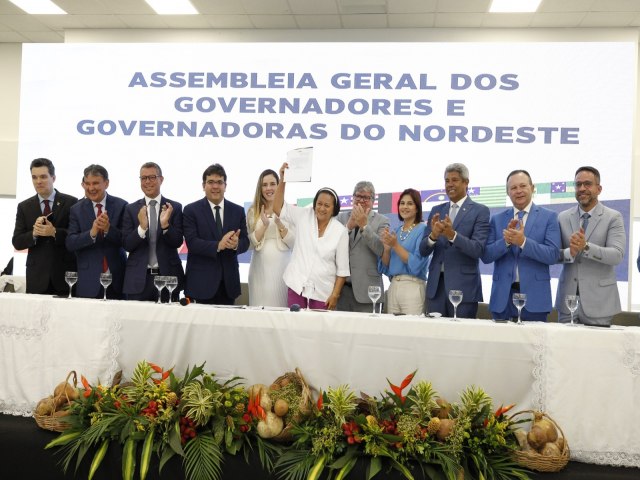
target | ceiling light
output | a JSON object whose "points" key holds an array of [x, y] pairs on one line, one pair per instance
{"points": [[39, 7], [172, 7], [514, 6]]}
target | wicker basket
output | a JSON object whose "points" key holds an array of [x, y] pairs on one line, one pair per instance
{"points": [[51, 422], [538, 462], [306, 403]]}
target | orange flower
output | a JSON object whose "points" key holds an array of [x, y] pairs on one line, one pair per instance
{"points": [[405, 383], [320, 402]]}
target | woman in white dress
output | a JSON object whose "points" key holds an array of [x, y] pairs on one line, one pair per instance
{"points": [[271, 241], [320, 260]]}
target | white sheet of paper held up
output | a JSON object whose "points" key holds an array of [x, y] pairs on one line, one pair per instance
{"points": [[300, 162]]}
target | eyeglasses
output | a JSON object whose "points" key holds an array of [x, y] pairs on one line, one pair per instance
{"points": [[152, 178], [362, 198], [219, 183], [584, 184]]}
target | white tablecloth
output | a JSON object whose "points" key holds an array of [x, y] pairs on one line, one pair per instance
{"points": [[587, 379]]}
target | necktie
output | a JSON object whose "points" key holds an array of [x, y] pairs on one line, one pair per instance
{"points": [[585, 221], [105, 265], [47, 209], [355, 232], [453, 211], [516, 252], [153, 233], [218, 221]]}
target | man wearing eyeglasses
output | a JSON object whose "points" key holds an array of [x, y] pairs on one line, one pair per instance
{"points": [[152, 234], [215, 230], [365, 227], [593, 243]]}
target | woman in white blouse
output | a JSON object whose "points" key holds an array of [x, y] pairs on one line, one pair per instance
{"points": [[319, 262], [271, 241]]}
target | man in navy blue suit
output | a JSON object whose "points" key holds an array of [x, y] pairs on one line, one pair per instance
{"points": [[456, 234], [215, 230], [95, 236], [152, 234], [523, 242]]}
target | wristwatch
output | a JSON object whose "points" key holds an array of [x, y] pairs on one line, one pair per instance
{"points": [[586, 247]]}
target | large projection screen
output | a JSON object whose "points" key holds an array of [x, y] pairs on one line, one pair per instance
{"points": [[392, 113]]}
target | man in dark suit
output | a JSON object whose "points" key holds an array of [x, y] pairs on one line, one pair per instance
{"points": [[216, 232], [456, 235], [41, 226], [152, 234], [95, 236], [523, 241]]}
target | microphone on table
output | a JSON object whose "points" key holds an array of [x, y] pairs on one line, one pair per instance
{"points": [[294, 307], [184, 301]]}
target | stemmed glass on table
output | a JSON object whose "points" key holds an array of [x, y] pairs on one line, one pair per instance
{"points": [[159, 282], [375, 292], [519, 301], [455, 297], [307, 291], [71, 278], [105, 281], [171, 284], [572, 302]]}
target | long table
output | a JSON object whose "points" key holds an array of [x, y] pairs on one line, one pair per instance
{"points": [[587, 379]]}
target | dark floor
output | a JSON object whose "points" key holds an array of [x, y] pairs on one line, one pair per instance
{"points": [[22, 456]]}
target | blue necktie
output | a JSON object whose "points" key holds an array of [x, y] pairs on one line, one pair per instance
{"points": [[585, 221]]}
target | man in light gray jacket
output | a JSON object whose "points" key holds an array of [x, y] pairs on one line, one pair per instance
{"points": [[364, 226], [593, 243]]}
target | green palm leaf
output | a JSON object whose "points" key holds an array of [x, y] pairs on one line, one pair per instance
{"points": [[202, 458], [294, 465]]}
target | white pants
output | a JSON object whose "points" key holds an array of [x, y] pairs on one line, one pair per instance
{"points": [[406, 295]]}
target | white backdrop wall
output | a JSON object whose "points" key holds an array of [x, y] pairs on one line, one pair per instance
{"points": [[539, 78]]}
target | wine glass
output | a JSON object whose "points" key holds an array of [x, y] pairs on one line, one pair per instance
{"points": [[572, 302], [455, 297], [171, 284], [519, 300], [307, 291], [375, 292], [105, 281], [71, 278], [159, 281]]}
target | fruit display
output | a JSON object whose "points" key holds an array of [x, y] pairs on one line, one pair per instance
{"points": [[543, 447], [51, 409]]}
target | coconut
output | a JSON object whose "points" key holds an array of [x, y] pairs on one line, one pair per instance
{"points": [[446, 427], [271, 426], [537, 437], [46, 406], [560, 443], [281, 407], [64, 393], [443, 410], [521, 437], [551, 450], [550, 431]]}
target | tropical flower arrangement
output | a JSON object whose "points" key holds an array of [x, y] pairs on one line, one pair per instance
{"points": [[200, 418]]}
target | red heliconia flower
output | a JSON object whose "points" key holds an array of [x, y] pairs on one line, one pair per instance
{"points": [[502, 410], [320, 402], [155, 367], [87, 387], [405, 383]]}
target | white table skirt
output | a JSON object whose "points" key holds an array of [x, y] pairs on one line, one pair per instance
{"points": [[587, 379]]}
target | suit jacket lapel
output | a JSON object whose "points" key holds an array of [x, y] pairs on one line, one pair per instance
{"points": [[462, 211], [596, 216], [531, 221]]}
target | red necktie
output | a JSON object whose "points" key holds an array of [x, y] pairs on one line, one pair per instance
{"points": [[105, 265], [47, 208]]}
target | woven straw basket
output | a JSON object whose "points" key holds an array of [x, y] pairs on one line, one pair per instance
{"points": [[51, 422], [538, 462], [306, 403]]}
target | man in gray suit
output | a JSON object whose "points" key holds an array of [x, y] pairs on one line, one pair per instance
{"points": [[593, 243], [365, 246]]}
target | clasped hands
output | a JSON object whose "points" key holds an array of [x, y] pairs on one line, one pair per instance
{"points": [[358, 217], [229, 240], [389, 238], [165, 215], [442, 227], [43, 227], [514, 233], [100, 225], [577, 242], [266, 220]]}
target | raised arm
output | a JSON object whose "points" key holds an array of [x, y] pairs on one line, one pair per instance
{"points": [[278, 201]]}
